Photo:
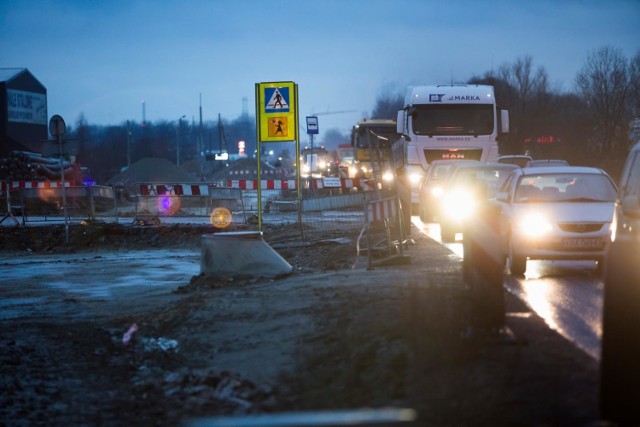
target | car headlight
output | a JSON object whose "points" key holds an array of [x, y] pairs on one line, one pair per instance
{"points": [[437, 191], [387, 176], [322, 164], [534, 225], [459, 204], [415, 178]]}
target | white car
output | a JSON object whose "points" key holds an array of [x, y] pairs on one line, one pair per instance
{"points": [[555, 213], [431, 188], [460, 193]]}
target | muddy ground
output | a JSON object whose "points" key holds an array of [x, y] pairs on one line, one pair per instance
{"points": [[332, 335]]}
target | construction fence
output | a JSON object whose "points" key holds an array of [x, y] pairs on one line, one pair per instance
{"points": [[41, 202], [325, 209]]}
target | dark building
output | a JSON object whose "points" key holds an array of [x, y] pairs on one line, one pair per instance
{"points": [[23, 111]]}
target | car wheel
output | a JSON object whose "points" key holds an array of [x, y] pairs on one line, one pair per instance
{"points": [[517, 263]]}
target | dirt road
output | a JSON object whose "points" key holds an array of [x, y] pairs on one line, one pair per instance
{"points": [[332, 335]]}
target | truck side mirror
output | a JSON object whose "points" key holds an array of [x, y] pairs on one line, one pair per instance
{"points": [[400, 122], [504, 121]]}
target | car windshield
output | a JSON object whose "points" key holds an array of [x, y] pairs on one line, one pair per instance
{"points": [[565, 187], [491, 177], [439, 172]]}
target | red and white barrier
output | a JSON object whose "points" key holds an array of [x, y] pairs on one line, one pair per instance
{"points": [[18, 185], [290, 184], [282, 172], [173, 189], [378, 210], [201, 189], [265, 184]]}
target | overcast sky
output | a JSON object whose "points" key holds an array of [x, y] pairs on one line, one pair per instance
{"points": [[103, 58]]}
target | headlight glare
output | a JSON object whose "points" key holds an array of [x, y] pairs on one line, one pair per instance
{"points": [[437, 191], [534, 225], [415, 178], [459, 204]]}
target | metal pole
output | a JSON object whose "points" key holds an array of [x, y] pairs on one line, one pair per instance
{"points": [[296, 128], [129, 133], [64, 192], [201, 143], [313, 163], [178, 140], [258, 148]]}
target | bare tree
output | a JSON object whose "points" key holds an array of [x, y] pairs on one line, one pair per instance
{"points": [[604, 83], [83, 133], [387, 106], [529, 95], [524, 91], [634, 79], [333, 138]]}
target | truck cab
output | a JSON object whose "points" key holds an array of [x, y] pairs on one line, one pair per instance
{"points": [[441, 122]]}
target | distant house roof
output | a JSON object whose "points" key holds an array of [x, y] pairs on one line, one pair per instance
{"points": [[152, 170], [7, 74]]}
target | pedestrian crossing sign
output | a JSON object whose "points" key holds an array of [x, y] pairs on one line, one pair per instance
{"points": [[276, 105], [277, 100]]}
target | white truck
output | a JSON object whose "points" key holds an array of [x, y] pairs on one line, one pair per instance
{"points": [[456, 122]]}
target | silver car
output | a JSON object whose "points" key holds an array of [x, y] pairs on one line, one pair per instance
{"points": [[546, 162], [555, 213]]}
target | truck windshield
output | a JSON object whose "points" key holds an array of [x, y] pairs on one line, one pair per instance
{"points": [[453, 119]]}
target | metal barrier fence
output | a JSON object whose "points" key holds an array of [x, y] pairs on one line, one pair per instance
{"points": [[44, 201], [384, 229], [12, 206], [325, 211], [328, 207], [155, 201]]}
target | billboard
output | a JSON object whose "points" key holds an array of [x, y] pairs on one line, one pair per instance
{"points": [[26, 107]]}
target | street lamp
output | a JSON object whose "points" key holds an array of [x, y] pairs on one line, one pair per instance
{"points": [[178, 139]]}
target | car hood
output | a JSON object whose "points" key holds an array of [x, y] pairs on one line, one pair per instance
{"points": [[569, 212]]}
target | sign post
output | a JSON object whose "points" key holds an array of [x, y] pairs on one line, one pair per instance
{"points": [[277, 121], [312, 159], [57, 128]]}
